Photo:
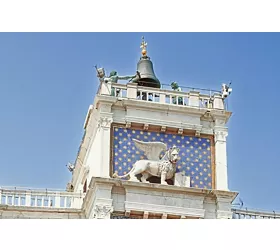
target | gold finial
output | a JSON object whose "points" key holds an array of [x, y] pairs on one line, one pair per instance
{"points": [[143, 47]]}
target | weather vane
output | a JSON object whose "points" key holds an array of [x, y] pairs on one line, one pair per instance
{"points": [[143, 47]]}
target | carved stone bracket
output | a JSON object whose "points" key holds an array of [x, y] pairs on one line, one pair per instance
{"points": [[197, 133], [146, 215], [146, 126], [102, 211], [128, 125], [104, 122], [163, 129], [180, 131]]}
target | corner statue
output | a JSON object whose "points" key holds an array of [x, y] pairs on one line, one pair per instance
{"points": [[154, 166]]}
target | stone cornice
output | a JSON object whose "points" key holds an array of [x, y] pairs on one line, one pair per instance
{"points": [[163, 188], [221, 114]]}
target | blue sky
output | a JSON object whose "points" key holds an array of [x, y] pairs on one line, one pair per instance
{"points": [[48, 81]]}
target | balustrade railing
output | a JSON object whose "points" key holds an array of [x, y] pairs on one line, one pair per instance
{"points": [[254, 214], [193, 98], [40, 198]]}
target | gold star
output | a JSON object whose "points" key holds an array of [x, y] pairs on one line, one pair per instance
{"points": [[120, 168]]}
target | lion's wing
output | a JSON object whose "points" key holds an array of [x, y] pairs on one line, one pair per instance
{"points": [[151, 149]]}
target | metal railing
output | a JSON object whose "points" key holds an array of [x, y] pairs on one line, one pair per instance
{"points": [[40, 198]]}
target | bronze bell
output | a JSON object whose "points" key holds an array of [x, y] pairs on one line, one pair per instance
{"points": [[146, 76]]}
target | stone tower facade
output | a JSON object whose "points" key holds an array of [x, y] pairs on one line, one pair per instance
{"points": [[122, 126]]}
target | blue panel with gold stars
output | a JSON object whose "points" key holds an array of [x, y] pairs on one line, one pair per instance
{"points": [[195, 153]]}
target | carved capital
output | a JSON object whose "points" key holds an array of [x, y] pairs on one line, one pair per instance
{"points": [[104, 122], [102, 211], [220, 136]]}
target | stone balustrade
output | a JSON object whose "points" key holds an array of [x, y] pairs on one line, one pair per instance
{"points": [[40, 198], [251, 214], [164, 96]]}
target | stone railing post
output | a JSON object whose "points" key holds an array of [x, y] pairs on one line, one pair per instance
{"points": [[218, 102], [194, 98], [162, 97], [28, 199], [132, 90], [57, 199]]}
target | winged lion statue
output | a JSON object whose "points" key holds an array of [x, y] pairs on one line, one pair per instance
{"points": [[164, 167]]}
